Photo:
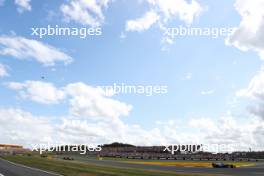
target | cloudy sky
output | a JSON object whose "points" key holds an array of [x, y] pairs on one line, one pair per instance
{"points": [[49, 86]]}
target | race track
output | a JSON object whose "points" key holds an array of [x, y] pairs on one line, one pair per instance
{"points": [[11, 169], [257, 170]]}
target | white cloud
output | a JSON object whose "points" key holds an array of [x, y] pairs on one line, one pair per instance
{"points": [[86, 12], [3, 71], [170, 9], [38, 91], [94, 117], [228, 130], [250, 36], [255, 89], [18, 126], [15, 85], [85, 101], [163, 11], [23, 5], [250, 33], [257, 110], [143, 23], [23, 48]]}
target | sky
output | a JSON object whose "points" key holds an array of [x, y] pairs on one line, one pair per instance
{"points": [[52, 87]]}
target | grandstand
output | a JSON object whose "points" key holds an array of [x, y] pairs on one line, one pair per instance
{"points": [[119, 150], [11, 149]]}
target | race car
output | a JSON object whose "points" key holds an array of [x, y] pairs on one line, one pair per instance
{"points": [[222, 165], [68, 158]]}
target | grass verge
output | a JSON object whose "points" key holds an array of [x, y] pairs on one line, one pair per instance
{"points": [[74, 168], [188, 163]]}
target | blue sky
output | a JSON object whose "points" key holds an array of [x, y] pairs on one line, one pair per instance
{"points": [[203, 75]]}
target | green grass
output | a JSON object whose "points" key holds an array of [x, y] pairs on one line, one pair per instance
{"points": [[75, 168], [179, 163], [190, 163]]}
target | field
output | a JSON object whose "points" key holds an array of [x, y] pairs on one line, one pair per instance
{"points": [[93, 166], [179, 163], [188, 163], [76, 168]]}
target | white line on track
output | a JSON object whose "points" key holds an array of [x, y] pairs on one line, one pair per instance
{"points": [[20, 165], [1, 174]]}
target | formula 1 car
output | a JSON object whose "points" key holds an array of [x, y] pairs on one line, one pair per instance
{"points": [[223, 165], [68, 158]]}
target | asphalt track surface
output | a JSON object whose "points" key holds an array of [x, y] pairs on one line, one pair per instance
{"points": [[11, 169], [257, 170]]}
